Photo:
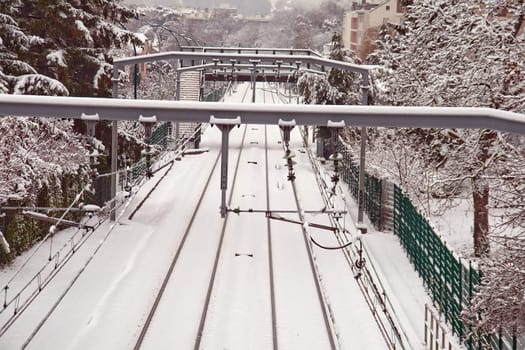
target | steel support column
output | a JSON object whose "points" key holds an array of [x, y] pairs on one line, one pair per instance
{"points": [[225, 126], [114, 145], [254, 63], [177, 98], [361, 193]]}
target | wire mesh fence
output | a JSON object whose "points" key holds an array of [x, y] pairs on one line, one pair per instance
{"points": [[372, 199], [450, 280]]}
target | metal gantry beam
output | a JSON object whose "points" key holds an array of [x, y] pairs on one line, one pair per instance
{"points": [[267, 50], [226, 57], [189, 111]]}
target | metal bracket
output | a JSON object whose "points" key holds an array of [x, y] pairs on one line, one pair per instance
{"points": [[286, 126], [91, 121]]}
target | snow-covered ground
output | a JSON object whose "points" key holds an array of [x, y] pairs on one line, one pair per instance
{"points": [[102, 297]]}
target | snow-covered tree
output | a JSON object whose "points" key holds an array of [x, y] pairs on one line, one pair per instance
{"points": [[338, 87], [52, 47], [499, 304], [465, 53], [17, 75], [74, 40], [42, 163]]}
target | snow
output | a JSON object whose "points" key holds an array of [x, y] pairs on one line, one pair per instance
{"points": [[90, 208], [35, 83], [4, 243], [56, 57], [100, 73], [84, 31], [113, 285]]}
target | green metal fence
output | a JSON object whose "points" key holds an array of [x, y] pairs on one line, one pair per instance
{"points": [[159, 140], [372, 195], [450, 281], [214, 94], [159, 136]]}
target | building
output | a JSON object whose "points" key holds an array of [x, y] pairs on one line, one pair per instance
{"points": [[362, 23]]}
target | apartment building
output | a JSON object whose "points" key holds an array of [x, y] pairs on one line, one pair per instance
{"points": [[361, 24]]}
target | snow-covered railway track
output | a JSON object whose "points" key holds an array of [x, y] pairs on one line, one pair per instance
{"points": [[239, 300], [322, 304], [315, 273], [174, 261], [156, 320], [265, 291]]}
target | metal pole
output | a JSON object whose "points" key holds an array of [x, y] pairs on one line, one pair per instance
{"points": [[114, 145], [177, 93], [360, 197], [254, 62], [253, 84], [225, 129], [298, 63], [177, 97]]}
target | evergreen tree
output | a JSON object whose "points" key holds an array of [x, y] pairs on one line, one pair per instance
{"points": [[338, 87], [75, 40], [52, 47], [17, 75]]}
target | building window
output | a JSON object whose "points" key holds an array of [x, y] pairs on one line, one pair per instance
{"points": [[388, 7], [353, 37]]}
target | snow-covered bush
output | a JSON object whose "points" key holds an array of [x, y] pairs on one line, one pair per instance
{"points": [[42, 163]]}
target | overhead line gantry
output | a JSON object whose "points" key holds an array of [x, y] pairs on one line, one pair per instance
{"points": [[228, 114]]}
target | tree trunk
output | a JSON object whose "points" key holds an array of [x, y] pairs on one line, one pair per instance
{"points": [[480, 194]]}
